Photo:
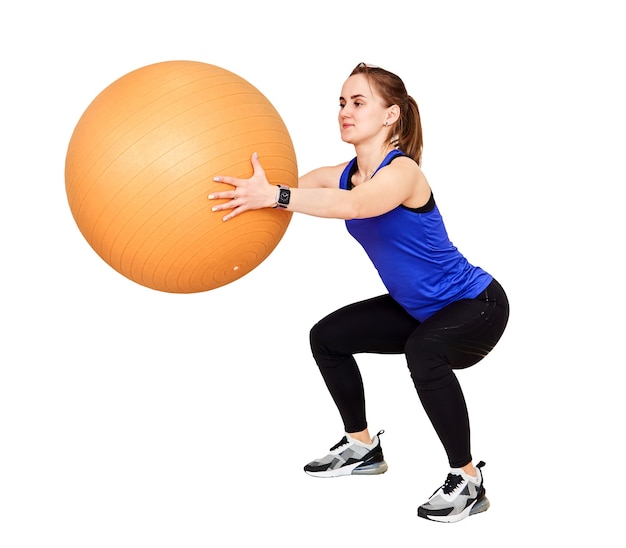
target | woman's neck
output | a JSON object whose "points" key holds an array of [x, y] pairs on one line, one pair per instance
{"points": [[368, 161]]}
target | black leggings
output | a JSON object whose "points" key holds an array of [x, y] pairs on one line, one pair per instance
{"points": [[456, 337]]}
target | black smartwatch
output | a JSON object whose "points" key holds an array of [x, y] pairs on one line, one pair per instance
{"points": [[283, 196]]}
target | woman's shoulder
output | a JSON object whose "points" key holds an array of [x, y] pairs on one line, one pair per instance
{"points": [[406, 168], [405, 161]]}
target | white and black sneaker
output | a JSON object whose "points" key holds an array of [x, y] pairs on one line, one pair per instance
{"points": [[350, 457], [459, 497]]}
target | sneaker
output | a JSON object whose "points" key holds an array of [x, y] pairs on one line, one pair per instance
{"points": [[460, 496], [350, 457]]}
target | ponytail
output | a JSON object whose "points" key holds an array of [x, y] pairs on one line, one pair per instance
{"points": [[408, 138]]}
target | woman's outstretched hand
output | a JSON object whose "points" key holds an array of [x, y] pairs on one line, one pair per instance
{"points": [[253, 193]]}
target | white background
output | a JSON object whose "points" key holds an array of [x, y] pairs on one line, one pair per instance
{"points": [[134, 418]]}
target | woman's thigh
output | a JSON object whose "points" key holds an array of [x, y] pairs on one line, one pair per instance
{"points": [[378, 325]]}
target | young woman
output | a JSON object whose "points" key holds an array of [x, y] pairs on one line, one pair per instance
{"points": [[441, 311]]}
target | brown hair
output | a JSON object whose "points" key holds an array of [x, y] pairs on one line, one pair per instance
{"points": [[408, 129]]}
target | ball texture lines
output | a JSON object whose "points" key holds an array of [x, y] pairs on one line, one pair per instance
{"points": [[140, 165]]}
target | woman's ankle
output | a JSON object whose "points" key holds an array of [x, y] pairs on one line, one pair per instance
{"points": [[363, 436]]}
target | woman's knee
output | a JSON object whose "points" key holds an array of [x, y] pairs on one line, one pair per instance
{"points": [[323, 339], [317, 335], [428, 364]]}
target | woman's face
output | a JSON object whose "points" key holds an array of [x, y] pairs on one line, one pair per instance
{"points": [[362, 113]]}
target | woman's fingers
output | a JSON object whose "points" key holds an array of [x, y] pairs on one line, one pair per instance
{"points": [[257, 171], [246, 194], [256, 166], [234, 202], [224, 195]]}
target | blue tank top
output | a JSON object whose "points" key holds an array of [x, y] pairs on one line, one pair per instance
{"points": [[417, 262]]}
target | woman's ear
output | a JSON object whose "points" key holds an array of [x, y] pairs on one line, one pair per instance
{"points": [[393, 113]]}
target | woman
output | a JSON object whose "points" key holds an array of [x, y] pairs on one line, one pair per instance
{"points": [[442, 312]]}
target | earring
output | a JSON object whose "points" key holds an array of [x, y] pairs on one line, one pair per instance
{"points": [[386, 123]]}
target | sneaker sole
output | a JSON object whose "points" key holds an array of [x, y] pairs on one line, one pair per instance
{"points": [[355, 469], [477, 507]]}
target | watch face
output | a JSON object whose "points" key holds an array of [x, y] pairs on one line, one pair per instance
{"points": [[284, 195]]}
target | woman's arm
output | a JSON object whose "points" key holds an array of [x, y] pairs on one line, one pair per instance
{"points": [[393, 185]]}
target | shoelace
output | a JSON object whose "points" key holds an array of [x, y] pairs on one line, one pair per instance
{"points": [[343, 441], [454, 480], [451, 483]]}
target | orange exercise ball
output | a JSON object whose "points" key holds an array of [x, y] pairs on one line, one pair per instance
{"points": [[140, 165]]}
